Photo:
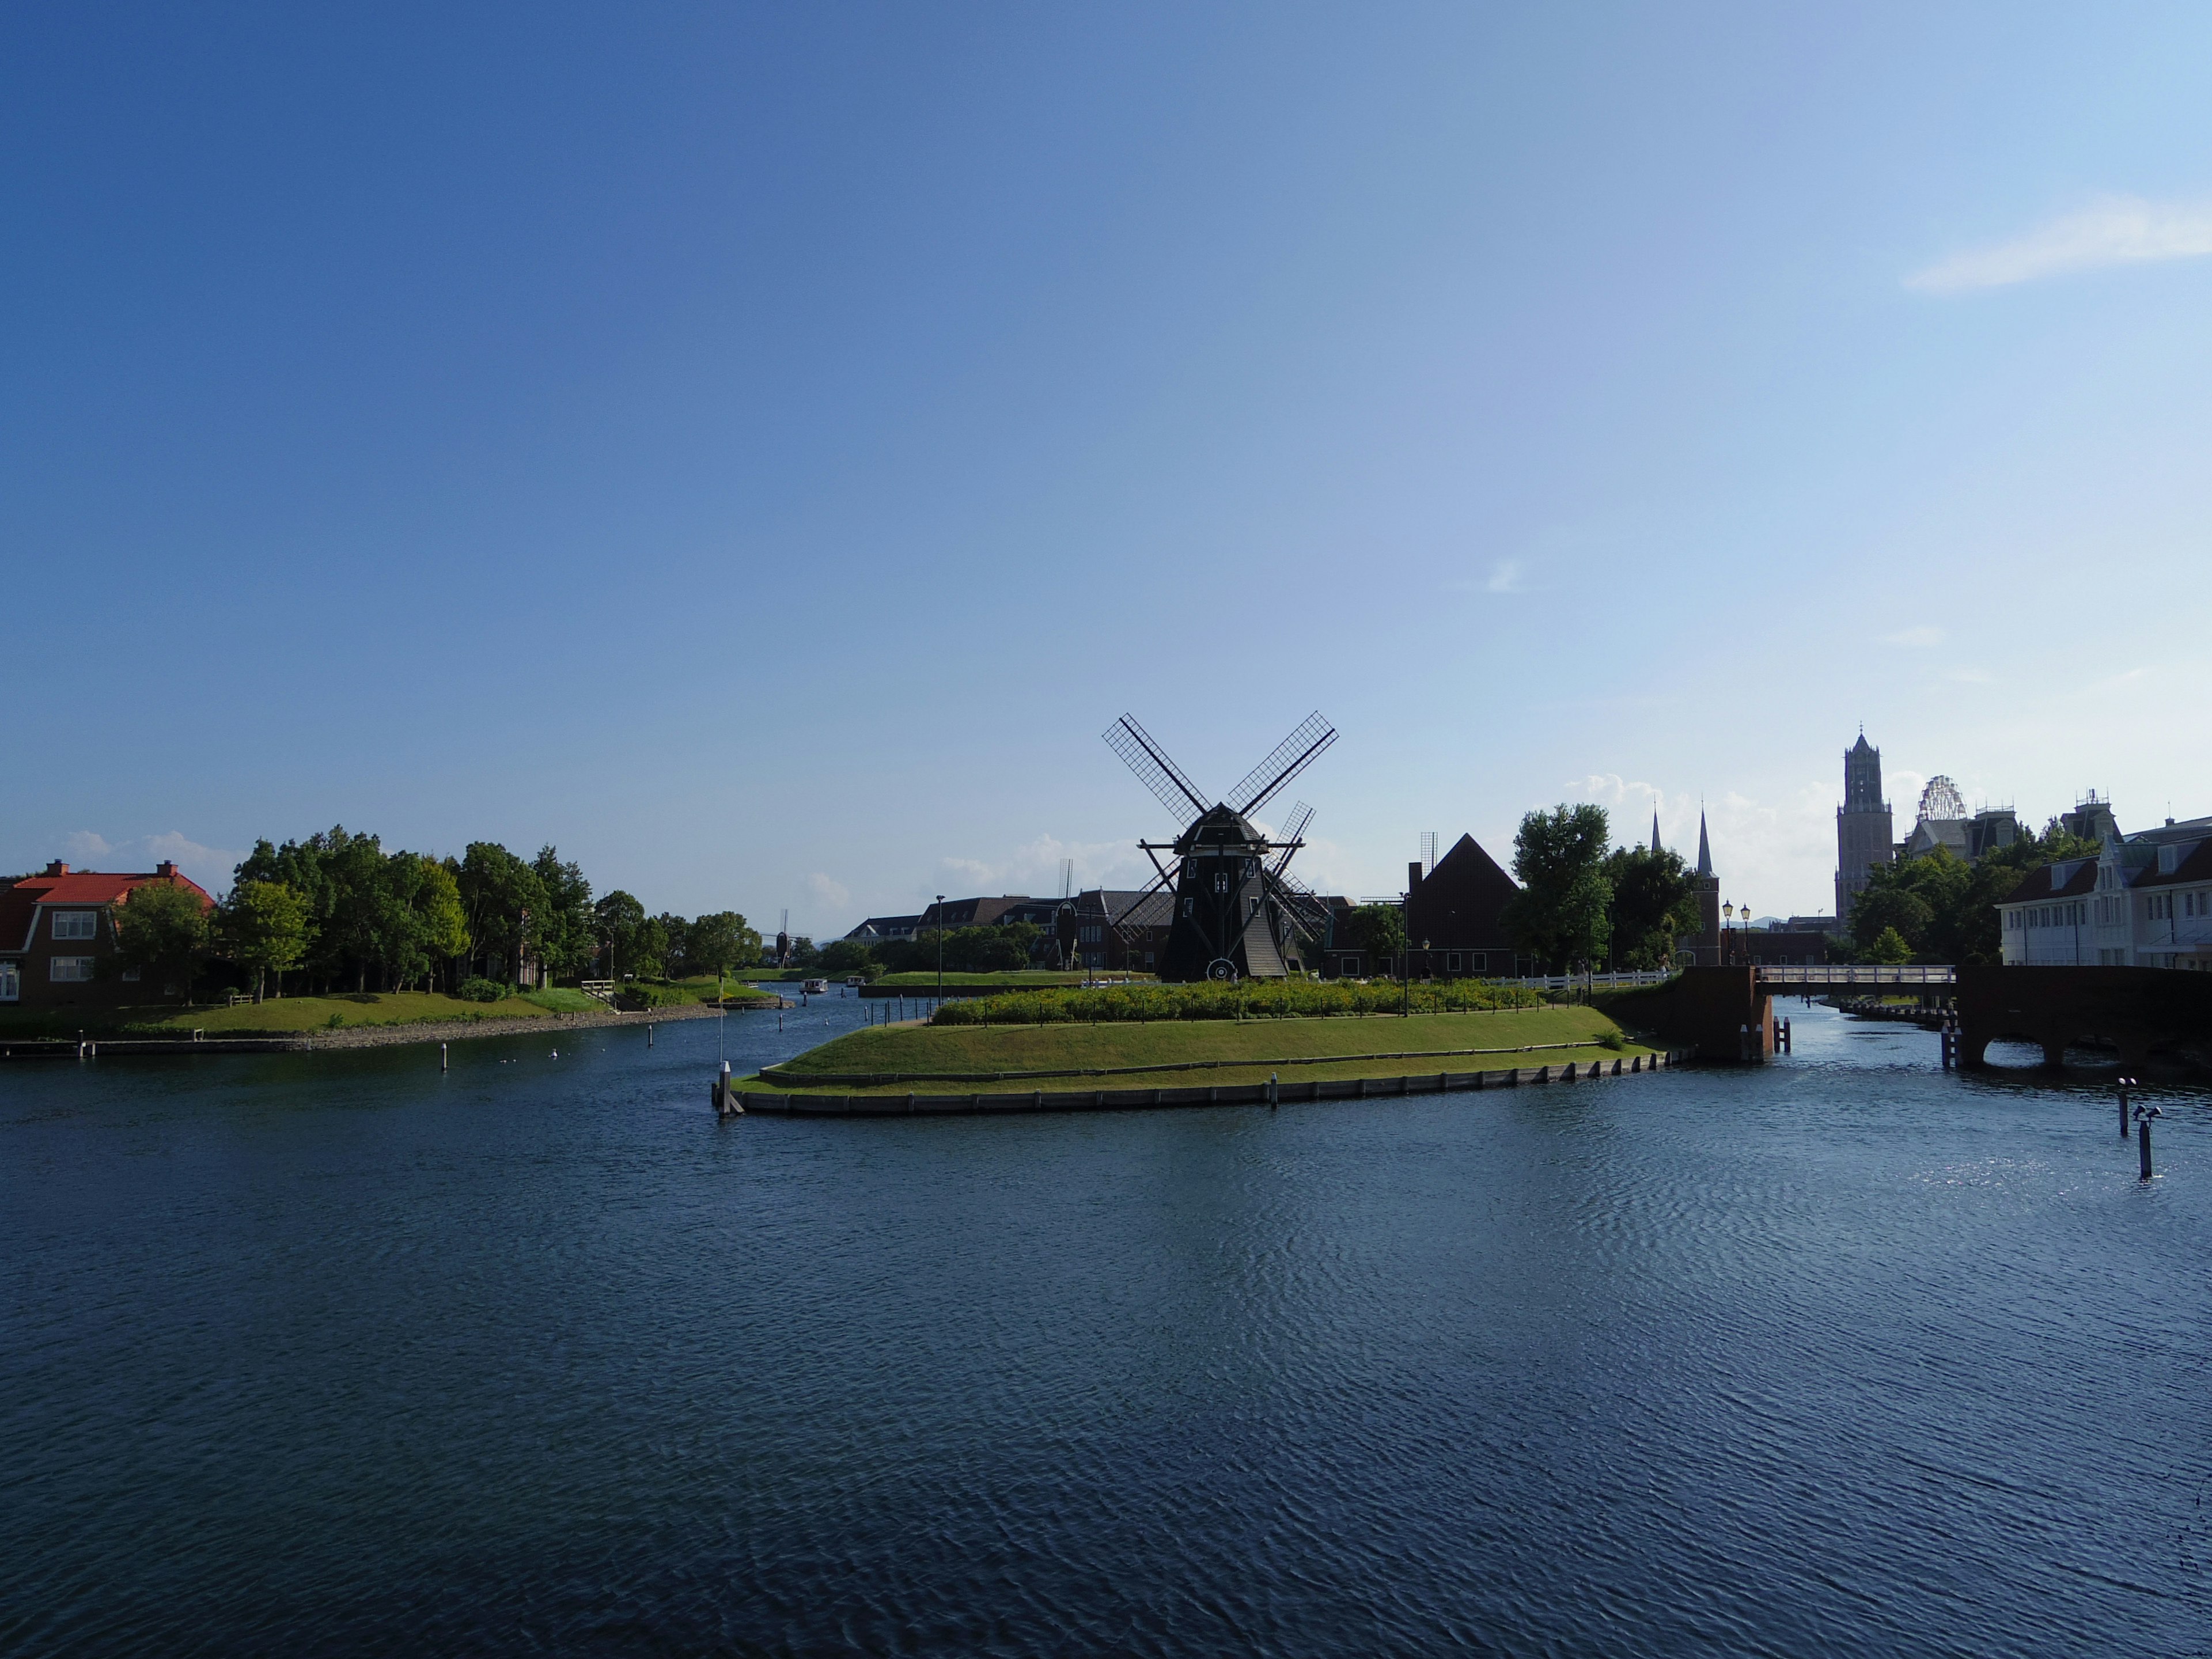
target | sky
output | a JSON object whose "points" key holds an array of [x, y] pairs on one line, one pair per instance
{"points": [[758, 450]]}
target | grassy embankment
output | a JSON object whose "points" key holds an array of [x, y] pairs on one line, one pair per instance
{"points": [[1025, 980], [300, 1016], [962, 1059]]}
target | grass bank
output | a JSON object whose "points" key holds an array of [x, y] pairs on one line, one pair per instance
{"points": [[1023, 979], [957, 1058], [288, 1015]]}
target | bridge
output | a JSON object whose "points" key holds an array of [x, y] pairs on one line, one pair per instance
{"points": [[1843, 976]]}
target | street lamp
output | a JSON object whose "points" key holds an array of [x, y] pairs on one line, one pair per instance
{"points": [[1727, 928], [940, 949]]}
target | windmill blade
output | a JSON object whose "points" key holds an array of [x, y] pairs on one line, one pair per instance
{"points": [[1153, 768], [1289, 757], [1130, 932], [1308, 914], [1294, 828]]}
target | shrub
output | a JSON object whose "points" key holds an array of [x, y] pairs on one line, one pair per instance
{"points": [[481, 990], [1613, 1040], [1255, 1000], [638, 994]]}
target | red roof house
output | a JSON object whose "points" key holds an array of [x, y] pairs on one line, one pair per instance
{"points": [[57, 936]]}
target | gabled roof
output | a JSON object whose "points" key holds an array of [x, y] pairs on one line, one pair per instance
{"points": [[2068, 879], [2195, 865]]}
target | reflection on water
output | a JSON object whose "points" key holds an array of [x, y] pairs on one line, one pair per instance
{"points": [[334, 1354]]}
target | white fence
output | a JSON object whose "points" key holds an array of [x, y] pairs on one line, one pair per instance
{"points": [[1588, 981]]}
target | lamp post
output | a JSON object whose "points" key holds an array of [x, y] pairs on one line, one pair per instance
{"points": [[1727, 928], [941, 948]]}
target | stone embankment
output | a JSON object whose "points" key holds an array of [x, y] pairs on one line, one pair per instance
{"points": [[1232, 1094]]}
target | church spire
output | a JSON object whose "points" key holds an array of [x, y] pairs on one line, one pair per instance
{"points": [[1705, 847], [1655, 829]]}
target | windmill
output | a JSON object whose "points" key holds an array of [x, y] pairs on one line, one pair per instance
{"points": [[1238, 911]]}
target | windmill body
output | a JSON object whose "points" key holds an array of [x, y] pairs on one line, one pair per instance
{"points": [[1238, 912]]}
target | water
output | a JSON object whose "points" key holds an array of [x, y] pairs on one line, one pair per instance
{"points": [[330, 1354]]}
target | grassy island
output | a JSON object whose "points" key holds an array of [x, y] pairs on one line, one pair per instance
{"points": [[961, 1058]]}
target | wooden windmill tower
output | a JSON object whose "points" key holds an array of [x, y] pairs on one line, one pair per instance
{"points": [[1239, 914]]}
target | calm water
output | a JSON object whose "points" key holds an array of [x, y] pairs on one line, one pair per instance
{"points": [[333, 1355]]}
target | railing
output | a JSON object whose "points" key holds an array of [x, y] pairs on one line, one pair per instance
{"points": [[1590, 981], [1858, 973], [604, 989]]}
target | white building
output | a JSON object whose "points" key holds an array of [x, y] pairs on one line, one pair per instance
{"points": [[2145, 901]]}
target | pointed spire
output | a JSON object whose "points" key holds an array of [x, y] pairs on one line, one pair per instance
{"points": [[1705, 847], [1655, 829]]}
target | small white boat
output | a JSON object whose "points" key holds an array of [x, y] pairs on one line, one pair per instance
{"points": [[816, 987]]}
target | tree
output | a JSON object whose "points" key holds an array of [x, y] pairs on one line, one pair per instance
{"points": [[615, 921], [848, 956], [674, 935], [1376, 931], [1889, 946], [441, 921], [718, 942], [1653, 905], [503, 899], [564, 932], [162, 927], [1560, 914], [265, 928]]}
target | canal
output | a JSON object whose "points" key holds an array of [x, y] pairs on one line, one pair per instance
{"points": [[335, 1354]]}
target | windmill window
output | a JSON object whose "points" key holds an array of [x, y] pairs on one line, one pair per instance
{"points": [[1187, 904]]}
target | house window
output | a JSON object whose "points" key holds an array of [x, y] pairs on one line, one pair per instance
{"points": [[76, 924], [1148, 958], [11, 983], [1452, 962], [68, 970]]}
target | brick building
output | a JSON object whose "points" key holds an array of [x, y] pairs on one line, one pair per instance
{"points": [[58, 937]]}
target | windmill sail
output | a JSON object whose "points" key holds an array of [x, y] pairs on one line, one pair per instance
{"points": [[1288, 758], [1153, 768]]}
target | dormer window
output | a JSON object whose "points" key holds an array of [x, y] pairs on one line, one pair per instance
{"points": [[76, 924]]}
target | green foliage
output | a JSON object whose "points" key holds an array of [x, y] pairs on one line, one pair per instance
{"points": [[563, 933], [849, 955], [967, 950], [640, 994], [1890, 946], [162, 928], [1254, 999], [504, 901], [480, 990], [264, 927], [1561, 915], [1652, 905], [1945, 910], [717, 943], [1376, 930]]}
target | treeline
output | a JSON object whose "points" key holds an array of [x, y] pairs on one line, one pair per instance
{"points": [[1586, 904], [967, 951], [1938, 908], [337, 911]]}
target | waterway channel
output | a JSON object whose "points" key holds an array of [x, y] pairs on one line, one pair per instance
{"points": [[336, 1354]]}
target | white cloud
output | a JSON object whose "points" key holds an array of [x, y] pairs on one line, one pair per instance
{"points": [[834, 894], [1925, 635], [2121, 230], [1506, 577], [1035, 868], [83, 846]]}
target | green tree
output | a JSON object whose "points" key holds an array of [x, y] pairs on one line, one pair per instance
{"points": [[1560, 914], [441, 921], [1653, 905], [504, 898], [616, 920], [847, 956], [721, 941], [265, 926], [565, 931], [164, 927], [1889, 946], [1376, 931]]}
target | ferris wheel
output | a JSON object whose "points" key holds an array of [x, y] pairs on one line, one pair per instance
{"points": [[1941, 799]]}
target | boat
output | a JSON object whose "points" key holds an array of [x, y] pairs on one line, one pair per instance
{"points": [[816, 987]]}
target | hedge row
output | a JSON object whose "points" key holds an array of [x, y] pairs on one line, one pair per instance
{"points": [[1270, 1000]]}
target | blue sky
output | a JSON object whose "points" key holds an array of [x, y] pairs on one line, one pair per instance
{"points": [[759, 451]]}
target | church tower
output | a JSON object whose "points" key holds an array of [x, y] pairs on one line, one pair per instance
{"points": [[1863, 836]]}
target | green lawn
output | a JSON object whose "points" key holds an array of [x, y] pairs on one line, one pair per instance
{"points": [[276, 1017], [1215, 1051]]}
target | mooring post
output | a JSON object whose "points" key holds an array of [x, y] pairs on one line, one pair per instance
{"points": [[2124, 1106], [1274, 1083], [441, 1056], [2143, 1142], [648, 1034]]}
